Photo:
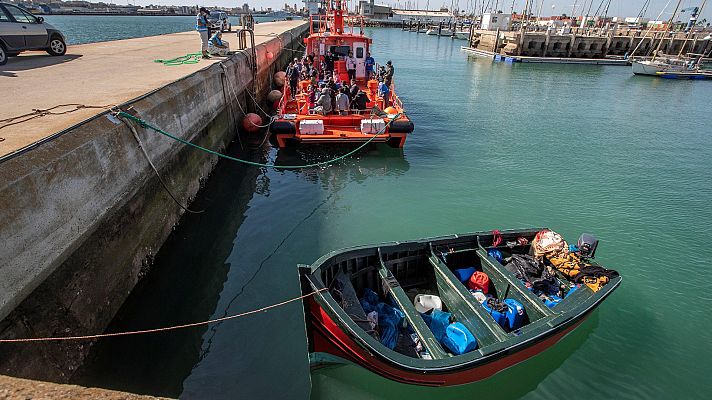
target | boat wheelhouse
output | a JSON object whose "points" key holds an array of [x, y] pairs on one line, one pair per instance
{"points": [[339, 327], [335, 35]]}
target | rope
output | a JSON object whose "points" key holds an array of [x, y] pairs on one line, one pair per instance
{"points": [[190, 58], [145, 124], [164, 329], [160, 179], [41, 112]]}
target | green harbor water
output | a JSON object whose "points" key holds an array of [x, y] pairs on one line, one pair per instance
{"points": [[574, 148]]}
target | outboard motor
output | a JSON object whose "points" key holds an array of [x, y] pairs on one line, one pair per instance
{"points": [[587, 245]]}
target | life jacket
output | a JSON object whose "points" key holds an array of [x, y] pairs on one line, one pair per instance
{"points": [[593, 276]]}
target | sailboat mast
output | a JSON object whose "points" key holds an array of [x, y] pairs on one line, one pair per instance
{"points": [[689, 34], [672, 18]]}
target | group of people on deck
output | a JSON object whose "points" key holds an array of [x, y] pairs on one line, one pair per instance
{"points": [[326, 93]]}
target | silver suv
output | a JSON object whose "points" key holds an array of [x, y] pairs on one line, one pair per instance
{"points": [[22, 31]]}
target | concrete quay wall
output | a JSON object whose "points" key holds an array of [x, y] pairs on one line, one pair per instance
{"points": [[540, 44], [83, 213]]}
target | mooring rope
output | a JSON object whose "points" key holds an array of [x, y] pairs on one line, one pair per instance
{"points": [[155, 170], [164, 329], [145, 124], [190, 58], [41, 112]]}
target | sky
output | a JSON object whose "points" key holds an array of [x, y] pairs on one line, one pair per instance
{"points": [[620, 8]]}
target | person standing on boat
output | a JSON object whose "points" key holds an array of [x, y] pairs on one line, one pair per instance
{"points": [[293, 76], [353, 89], [370, 64], [342, 102], [388, 78], [384, 92], [351, 66], [201, 25]]}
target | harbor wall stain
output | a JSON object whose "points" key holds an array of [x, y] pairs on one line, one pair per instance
{"points": [[86, 214]]}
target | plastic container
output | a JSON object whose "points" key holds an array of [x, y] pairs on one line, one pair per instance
{"points": [[426, 302]]}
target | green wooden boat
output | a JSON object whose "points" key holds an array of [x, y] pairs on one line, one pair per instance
{"points": [[338, 326]]}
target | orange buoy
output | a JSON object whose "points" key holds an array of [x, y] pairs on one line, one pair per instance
{"points": [[390, 111], [280, 78], [251, 123], [274, 96]]}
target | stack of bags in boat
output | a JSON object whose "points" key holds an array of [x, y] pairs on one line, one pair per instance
{"points": [[508, 313], [551, 248], [453, 335], [539, 279]]}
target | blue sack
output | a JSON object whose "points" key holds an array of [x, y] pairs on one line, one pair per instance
{"points": [[390, 320], [369, 301], [551, 301], [573, 289], [464, 274], [496, 254], [439, 320], [458, 339]]}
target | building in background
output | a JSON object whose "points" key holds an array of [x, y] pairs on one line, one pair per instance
{"points": [[494, 21]]}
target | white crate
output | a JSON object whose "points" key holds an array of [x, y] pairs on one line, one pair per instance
{"points": [[373, 126], [311, 127]]}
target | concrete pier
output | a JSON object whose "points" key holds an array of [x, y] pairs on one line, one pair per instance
{"points": [[582, 44], [83, 212]]}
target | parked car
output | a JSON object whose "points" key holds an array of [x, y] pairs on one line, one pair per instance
{"points": [[22, 31], [219, 20]]}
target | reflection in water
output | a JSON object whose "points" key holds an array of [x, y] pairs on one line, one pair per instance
{"points": [[237, 255], [372, 161], [183, 286], [354, 382]]}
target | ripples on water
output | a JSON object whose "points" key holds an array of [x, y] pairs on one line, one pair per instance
{"points": [[575, 148]]}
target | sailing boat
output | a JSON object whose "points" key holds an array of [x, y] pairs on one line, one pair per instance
{"points": [[687, 66]]}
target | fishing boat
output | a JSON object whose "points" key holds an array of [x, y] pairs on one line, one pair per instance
{"points": [[384, 120], [339, 329]]}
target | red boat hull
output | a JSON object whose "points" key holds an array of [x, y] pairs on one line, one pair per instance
{"points": [[327, 337]]}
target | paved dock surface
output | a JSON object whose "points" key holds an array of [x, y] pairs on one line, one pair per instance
{"points": [[97, 74], [24, 389]]}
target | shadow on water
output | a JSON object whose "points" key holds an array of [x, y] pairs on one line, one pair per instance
{"points": [[238, 255], [183, 286], [354, 382]]}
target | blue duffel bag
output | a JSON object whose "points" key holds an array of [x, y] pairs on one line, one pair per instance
{"points": [[458, 339], [464, 274]]}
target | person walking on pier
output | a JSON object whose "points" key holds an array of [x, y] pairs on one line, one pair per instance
{"points": [[201, 25]]}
